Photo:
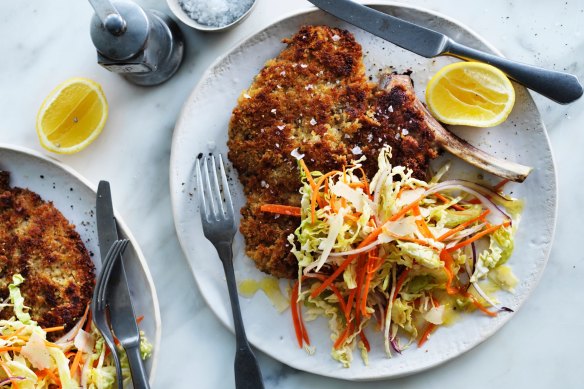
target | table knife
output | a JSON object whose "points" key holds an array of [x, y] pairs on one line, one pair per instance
{"points": [[560, 87], [123, 320]]}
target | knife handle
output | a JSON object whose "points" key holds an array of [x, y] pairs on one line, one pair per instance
{"points": [[139, 379], [561, 87]]}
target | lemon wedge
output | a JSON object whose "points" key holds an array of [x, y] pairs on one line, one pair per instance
{"points": [[72, 116], [471, 94]]}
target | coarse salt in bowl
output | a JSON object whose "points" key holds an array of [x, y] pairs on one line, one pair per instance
{"points": [[211, 15]]}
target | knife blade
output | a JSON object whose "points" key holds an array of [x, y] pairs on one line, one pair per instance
{"points": [[561, 87], [123, 320]]}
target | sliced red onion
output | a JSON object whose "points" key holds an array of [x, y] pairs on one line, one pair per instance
{"points": [[496, 215], [467, 267], [356, 251], [395, 345], [474, 256], [497, 197], [454, 239], [488, 300], [68, 338], [11, 379]]}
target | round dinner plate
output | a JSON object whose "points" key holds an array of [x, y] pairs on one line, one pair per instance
{"points": [[202, 127], [75, 198]]}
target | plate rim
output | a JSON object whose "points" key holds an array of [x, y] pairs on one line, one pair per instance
{"points": [[310, 9], [138, 250]]}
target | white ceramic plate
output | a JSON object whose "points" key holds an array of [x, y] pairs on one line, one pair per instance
{"points": [[202, 127], [75, 197]]}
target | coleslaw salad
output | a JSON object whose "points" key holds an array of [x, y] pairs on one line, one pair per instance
{"points": [[79, 359], [396, 254]]}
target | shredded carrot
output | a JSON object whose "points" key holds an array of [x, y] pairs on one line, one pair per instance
{"points": [[350, 301], [402, 190], [295, 318], [55, 378], [365, 341], [365, 181], [478, 236], [9, 348], [281, 209], [421, 223], [480, 306], [52, 376], [333, 203], [323, 179], [462, 226], [361, 292], [445, 200], [500, 185], [332, 287], [400, 282], [139, 319], [343, 336], [352, 217], [75, 364], [54, 329], [368, 276], [308, 175], [404, 210], [302, 327], [429, 329], [448, 262]]}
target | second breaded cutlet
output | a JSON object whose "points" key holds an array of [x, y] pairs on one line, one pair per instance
{"points": [[314, 97], [38, 242]]}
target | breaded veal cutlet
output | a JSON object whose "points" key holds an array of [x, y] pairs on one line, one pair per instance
{"points": [[315, 97], [39, 243]]}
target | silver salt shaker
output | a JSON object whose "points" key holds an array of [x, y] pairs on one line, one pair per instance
{"points": [[144, 46]]}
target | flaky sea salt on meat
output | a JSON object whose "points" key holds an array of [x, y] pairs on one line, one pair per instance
{"points": [[215, 13]]}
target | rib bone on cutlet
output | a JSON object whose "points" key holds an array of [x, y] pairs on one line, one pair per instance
{"points": [[452, 143]]}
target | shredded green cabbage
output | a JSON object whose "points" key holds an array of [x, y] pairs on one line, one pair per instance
{"points": [[401, 265]]}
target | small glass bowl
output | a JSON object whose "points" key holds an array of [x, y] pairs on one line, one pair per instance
{"points": [[186, 19]]}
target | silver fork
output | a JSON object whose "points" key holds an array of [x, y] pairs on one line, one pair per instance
{"points": [[217, 217], [99, 303]]}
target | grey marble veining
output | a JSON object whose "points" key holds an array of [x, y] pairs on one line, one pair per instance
{"points": [[43, 43]]}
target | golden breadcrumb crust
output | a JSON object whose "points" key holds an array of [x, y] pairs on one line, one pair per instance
{"points": [[37, 242], [314, 97]]}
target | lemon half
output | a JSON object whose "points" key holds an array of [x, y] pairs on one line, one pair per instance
{"points": [[72, 116], [471, 94]]}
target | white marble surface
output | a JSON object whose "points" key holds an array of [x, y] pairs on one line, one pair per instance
{"points": [[43, 43]]}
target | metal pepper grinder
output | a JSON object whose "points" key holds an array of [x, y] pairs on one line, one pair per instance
{"points": [[145, 46]]}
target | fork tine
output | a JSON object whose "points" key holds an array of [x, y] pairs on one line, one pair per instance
{"points": [[114, 252], [105, 271], [226, 192], [209, 189], [202, 202], [217, 196]]}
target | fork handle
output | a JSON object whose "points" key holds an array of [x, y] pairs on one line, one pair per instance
{"points": [[139, 379], [247, 371]]}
